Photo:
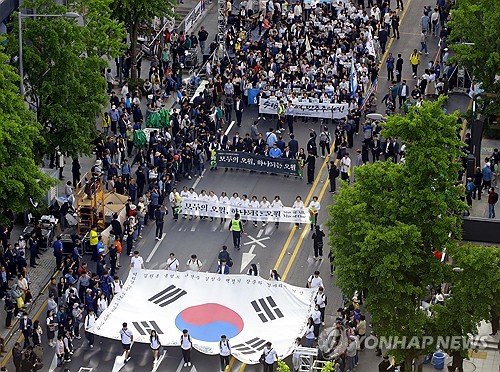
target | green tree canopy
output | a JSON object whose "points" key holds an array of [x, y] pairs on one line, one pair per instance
{"points": [[63, 80], [476, 22], [134, 12], [20, 178], [384, 226], [104, 35]]}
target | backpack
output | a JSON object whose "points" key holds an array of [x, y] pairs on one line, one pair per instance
{"points": [[189, 339], [495, 197]]}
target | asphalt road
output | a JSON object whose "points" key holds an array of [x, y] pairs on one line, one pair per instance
{"points": [[287, 249]]}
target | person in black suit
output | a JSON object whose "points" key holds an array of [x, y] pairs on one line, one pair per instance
{"points": [[388, 149], [311, 166], [293, 144], [238, 108], [395, 150], [375, 148], [26, 327]]}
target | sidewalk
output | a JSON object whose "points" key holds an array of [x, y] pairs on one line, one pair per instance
{"points": [[482, 360], [480, 207], [40, 276]]}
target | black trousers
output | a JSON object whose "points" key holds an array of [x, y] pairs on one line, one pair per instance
{"points": [[186, 354], [236, 239], [224, 361], [90, 337], [310, 174], [268, 367], [159, 229], [333, 184], [318, 250], [8, 318], [390, 74]]}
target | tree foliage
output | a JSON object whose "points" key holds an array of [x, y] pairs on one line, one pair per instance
{"points": [[20, 177], [104, 35], [383, 228], [135, 12], [63, 80], [477, 22]]}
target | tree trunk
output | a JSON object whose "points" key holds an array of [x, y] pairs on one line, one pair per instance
{"points": [[133, 50], [408, 364]]}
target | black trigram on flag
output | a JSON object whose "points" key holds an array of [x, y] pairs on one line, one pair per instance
{"points": [[250, 347], [167, 296], [145, 328], [267, 309]]}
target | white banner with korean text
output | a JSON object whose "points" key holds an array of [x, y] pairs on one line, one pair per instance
{"points": [[307, 109], [220, 210]]}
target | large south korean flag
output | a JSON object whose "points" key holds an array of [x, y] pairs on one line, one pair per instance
{"points": [[249, 310]]}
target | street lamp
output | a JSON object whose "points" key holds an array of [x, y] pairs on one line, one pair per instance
{"points": [[20, 16]]}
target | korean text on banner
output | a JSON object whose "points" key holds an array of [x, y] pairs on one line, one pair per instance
{"points": [[307, 109]]}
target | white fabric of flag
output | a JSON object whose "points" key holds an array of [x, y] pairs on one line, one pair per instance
{"points": [[369, 44], [354, 78], [249, 310]]}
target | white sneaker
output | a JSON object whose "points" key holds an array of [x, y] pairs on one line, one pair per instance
{"points": [[185, 364], [189, 364], [322, 323]]}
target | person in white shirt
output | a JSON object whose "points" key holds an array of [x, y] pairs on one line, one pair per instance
{"points": [[127, 338], [174, 199], [223, 199], [186, 345], [88, 323], [203, 198], [265, 205], [136, 262], [310, 333], [154, 344], [184, 196], [276, 204], [314, 207], [194, 264], [193, 197], [270, 356], [172, 263], [244, 203], [296, 355], [320, 300], [254, 204], [116, 286], [345, 167], [212, 198], [298, 204], [102, 304], [315, 280], [225, 352], [316, 316], [235, 200]]}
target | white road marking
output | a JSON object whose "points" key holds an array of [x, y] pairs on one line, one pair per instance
{"points": [[53, 364], [259, 234], [181, 367], [246, 258], [157, 363], [198, 179], [257, 241], [230, 127], [155, 247]]}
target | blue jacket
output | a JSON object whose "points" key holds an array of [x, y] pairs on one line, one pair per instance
{"points": [[486, 173]]}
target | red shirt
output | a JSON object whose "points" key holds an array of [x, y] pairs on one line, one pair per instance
{"points": [[437, 254]]}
